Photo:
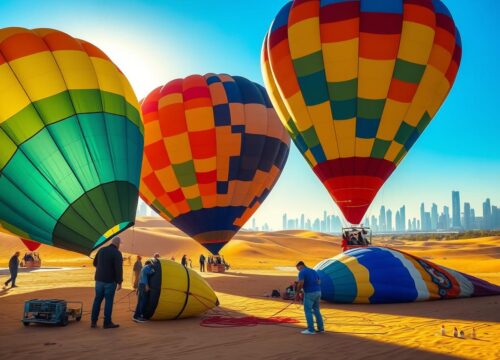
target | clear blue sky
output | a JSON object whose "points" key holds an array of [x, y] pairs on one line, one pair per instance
{"points": [[156, 41]]}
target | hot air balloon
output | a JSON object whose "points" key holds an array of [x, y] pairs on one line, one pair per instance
{"points": [[71, 140], [177, 292], [377, 275], [214, 148], [358, 81]]}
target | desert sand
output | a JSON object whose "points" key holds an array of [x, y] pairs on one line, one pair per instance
{"points": [[260, 262]]}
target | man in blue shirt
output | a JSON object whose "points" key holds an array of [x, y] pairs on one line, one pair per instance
{"points": [[310, 283], [143, 291]]}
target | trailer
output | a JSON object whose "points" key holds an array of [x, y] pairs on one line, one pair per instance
{"points": [[51, 311]]}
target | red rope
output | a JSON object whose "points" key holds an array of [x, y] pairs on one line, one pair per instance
{"points": [[230, 321], [222, 321]]}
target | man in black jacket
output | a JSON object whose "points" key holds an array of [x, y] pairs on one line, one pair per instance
{"points": [[108, 279], [13, 267]]}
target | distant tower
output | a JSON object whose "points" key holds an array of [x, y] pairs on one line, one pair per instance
{"points": [[434, 217], [422, 218], [398, 221], [487, 215], [409, 225], [388, 220], [473, 219], [284, 221], [402, 216], [302, 221], [455, 204], [381, 219], [467, 217], [446, 212]]}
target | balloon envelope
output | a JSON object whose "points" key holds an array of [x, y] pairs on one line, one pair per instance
{"points": [[357, 83], [71, 141], [177, 292], [375, 275], [31, 245], [214, 148]]}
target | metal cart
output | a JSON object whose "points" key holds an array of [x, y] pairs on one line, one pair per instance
{"points": [[52, 312]]}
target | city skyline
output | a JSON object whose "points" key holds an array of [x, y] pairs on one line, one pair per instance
{"points": [[388, 220]]}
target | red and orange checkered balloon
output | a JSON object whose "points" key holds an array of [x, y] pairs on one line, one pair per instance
{"points": [[214, 148]]}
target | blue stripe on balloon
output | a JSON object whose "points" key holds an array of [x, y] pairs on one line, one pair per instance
{"points": [[391, 280], [282, 18], [386, 6], [338, 284], [328, 2]]}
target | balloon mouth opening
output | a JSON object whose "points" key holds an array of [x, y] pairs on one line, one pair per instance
{"points": [[115, 230]]}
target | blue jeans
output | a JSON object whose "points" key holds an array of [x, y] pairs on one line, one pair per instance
{"points": [[142, 300], [103, 291], [311, 306]]}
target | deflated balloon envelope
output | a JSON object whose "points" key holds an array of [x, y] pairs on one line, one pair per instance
{"points": [[357, 82], [71, 141], [375, 275], [214, 148]]}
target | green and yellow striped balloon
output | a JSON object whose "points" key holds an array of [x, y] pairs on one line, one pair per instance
{"points": [[71, 141]]}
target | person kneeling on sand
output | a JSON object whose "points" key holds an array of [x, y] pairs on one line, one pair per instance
{"points": [[310, 282], [143, 291]]}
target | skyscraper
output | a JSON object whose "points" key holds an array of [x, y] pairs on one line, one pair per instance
{"points": [[446, 212], [467, 217], [455, 205], [422, 217], [388, 219], [434, 217], [302, 221], [473, 219], [381, 219], [398, 221], [402, 215], [487, 215], [374, 223], [285, 222]]}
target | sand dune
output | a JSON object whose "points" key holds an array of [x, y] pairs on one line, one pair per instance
{"points": [[266, 250]]}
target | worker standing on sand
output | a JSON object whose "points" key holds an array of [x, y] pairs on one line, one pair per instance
{"points": [[202, 263], [309, 281], [13, 268], [137, 271], [108, 279]]}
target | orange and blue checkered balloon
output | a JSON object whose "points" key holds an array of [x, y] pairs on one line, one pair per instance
{"points": [[356, 82], [214, 148]]}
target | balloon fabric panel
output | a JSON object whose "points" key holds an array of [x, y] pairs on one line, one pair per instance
{"points": [[72, 139], [360, 81], [214, 150], [376, 275]]}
